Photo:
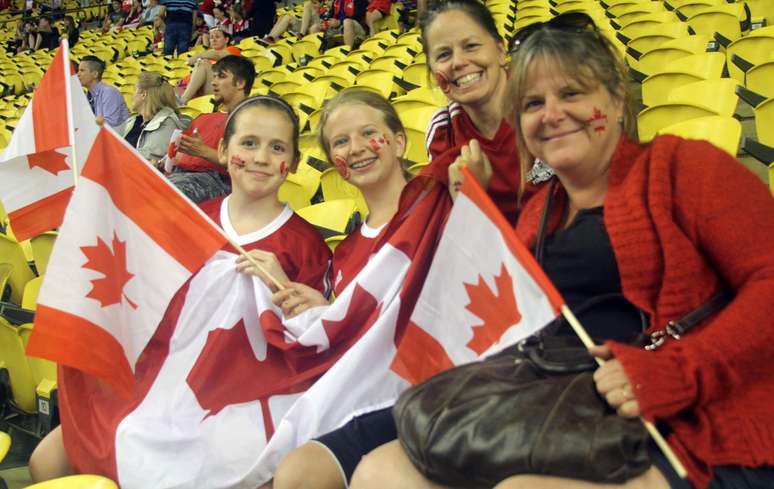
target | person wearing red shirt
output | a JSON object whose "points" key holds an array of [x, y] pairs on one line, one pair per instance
{"points": [[466, 56], [198, 172], [668, 225]]}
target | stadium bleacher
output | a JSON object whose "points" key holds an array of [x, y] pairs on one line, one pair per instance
{"points": [[702, 69]]}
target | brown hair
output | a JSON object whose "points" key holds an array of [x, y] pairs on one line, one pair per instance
{"points": [[272, 102], [586, 56], [358, 96]]}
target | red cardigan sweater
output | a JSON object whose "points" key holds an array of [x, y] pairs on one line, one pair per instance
{"points": [[685, 219]]}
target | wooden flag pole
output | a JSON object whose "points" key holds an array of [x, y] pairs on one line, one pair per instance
{"points": [[253, 262], [65, 46], [654, 433]]}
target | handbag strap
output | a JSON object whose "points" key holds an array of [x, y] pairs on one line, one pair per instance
{"points": [[677, 328]]}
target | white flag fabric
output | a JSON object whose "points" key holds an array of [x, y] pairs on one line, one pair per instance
{"points": [[37, 168], [122, 253]]}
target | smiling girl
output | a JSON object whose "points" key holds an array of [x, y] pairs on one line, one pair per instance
{"points": [[364, 138]]}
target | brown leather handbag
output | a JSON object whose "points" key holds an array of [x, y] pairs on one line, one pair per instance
{"points": [[532, 409]]}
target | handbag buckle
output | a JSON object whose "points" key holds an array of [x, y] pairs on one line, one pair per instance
{"points": [[657, 338]]}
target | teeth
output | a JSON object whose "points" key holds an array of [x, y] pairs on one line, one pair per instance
{"points": [[468, 79], [361, 164]]}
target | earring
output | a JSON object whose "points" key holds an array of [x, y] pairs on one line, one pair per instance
{"points": [[621, 120]]}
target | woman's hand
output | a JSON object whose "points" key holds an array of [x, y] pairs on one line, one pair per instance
{"points": [[269, 263], [614, 385], [297, 298], [472, 157]]}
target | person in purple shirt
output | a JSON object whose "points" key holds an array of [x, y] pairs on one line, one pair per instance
{"points": [[105, 101]]}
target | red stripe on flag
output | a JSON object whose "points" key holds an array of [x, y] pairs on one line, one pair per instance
{"points": [[140, 192], [40, 216], [76, 342], [420, 356], [49, 107], [478, 196]]}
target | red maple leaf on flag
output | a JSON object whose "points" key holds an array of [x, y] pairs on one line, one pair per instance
{"points": [[51, 161], [497, 311], [109, 289]]}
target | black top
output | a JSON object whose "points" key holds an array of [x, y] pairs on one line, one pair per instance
{"points": [[134, 133], [50, 40], [580, 262]]}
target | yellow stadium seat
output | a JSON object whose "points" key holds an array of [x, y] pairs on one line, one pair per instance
{"points": [[749, 51], [760, 79], [332, 217], [381, 81], [764, 121], [723, 132], [720, 20], [666, 59], [5, 274], [718, 95], [689, 7], [334, 187], [417, 118], [201, 104], [416, 150], [19, 373], [387, 63], [77, 482], [41, 250], [5, 444], [762, 9], [333, 241], [12, 253], [298, 189], [653, 119], [30, 295]]}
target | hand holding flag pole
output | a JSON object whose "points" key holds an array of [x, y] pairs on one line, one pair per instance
{"points": [[468, 176], [652, 430]]}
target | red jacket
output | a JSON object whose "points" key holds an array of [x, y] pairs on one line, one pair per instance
{"points": [[684, 220]]}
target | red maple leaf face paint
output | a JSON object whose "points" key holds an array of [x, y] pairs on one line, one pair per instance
{"points": [[442, 81], [237, 161], [598, 121], [341, 166], [377, 143], [283, 167]]}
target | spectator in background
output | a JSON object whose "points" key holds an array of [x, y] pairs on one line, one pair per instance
{"points": [[261, 15], [309, 22], [47, 36], [156, 117], [201, 32], [376, 11], [221, 20], [347, 17], [198, 172], [152, 11], [240, 25], [206, 7], [115, 17], [71, 31], [200, 81], [179, 24], [158, 31], [134, 14], [105, 101]]}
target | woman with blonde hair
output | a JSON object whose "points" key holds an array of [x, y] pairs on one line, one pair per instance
{"points": [[155, 119]]}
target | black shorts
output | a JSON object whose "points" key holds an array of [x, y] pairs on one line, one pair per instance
{"points": [[355, 439], [723, 477]]}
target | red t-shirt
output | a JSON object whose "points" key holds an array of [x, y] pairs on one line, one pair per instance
{"points": [[352, 255], [450, 128], [210, 127], [300, 249]]}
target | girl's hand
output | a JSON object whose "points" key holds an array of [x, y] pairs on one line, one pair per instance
{"points": [[614, 385], [297, 298], [269, 263], [472, 157]]}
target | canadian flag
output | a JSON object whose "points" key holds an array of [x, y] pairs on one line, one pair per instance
{"points": [[483, 293], [37, 168], [223, 369], [128, 242]]}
